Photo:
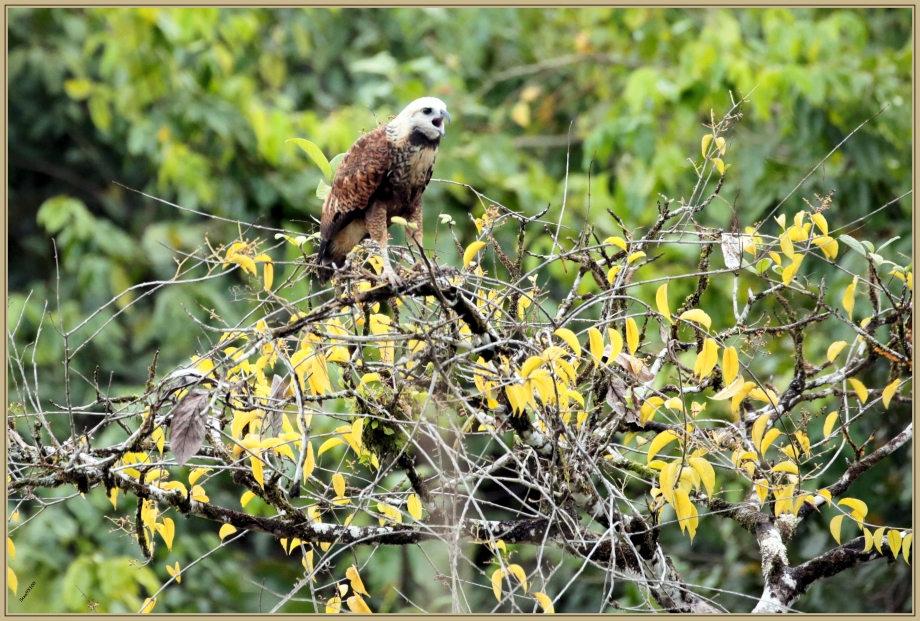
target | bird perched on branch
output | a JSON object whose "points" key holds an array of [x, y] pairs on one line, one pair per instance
{"points": [[382, 176]]}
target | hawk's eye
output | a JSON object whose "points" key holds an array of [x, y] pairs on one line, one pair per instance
{"points": [[426, 110]]}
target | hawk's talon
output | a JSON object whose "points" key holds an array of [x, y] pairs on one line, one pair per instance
{"points": [[391, 277]]}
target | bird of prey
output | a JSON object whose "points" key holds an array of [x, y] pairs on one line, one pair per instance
{"points": [[382, 176]]}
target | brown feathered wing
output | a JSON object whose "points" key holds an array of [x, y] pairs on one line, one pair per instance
{"points": [[361, 172]]}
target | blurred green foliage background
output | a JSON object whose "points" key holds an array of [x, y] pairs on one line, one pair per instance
{"points": [[194, 106]]}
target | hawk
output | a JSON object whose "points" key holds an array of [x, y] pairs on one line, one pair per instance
{"points": [[383, 175]]}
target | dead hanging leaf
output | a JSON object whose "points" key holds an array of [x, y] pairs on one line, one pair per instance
{"points": [[635, 367], [275, 414], [616, 396], [732, 248], [188, 425]]}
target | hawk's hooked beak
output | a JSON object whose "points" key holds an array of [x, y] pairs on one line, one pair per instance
{"points": [[439, 123]]}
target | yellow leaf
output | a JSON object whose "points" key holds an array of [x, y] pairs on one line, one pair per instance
{"points": [[569, 337], [415, 507], [357, 605], [356, 584], [612, 274], [826, 493], [226, 529], [334, 605], [828, 246], [545, 603], [309, 463], [596, 345], [762, 489], [867, 537], [197, 493], [905, 546], [707, 358], [167, 530], [616, 344], [788, 467], [520, 114], [768, 440], [258, 471], [399, 221], [11, 548], [730, 391], [790, 270], [829, 423], [767, 396], [329, 444], [682, 506], [356, 429], [860, 389], [860, 509], [268, 275], [720, 166], [697, 315], [497, 583], [113, 498], [705, 143], [11, 580], [820, 222], [338, 483], [729, 365], [171, 485], [877, 538], [634, 257], [632, 335], [159, 437], [834, 350], [836, 525], [661, 440], [196, 473], [245, 498], [666, 478], [785, 244], [783, 499], [889, 392], [894, 542], [720, 143], [243, 261], [647, 411], [519, 573], [471, 251], [148, 605], [175, 572], [758, 429], [619, 242], [531, 364], [849, 297], [661, 300], [707, 474]]}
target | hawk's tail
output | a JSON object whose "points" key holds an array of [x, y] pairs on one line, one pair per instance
{"points": [[327, 261]]}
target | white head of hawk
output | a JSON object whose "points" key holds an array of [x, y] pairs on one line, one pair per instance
{"points": [[426, 114]]}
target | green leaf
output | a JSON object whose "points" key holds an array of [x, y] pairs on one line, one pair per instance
{"points": [[315, 154], [852, 243], [322, 190], [893, 239], [100, 113], [334, 165], [78, 89]]}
